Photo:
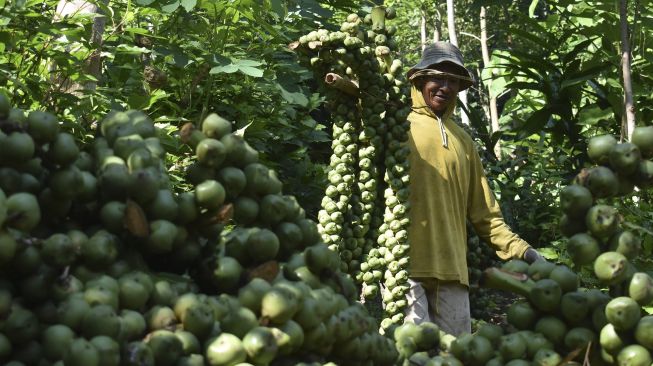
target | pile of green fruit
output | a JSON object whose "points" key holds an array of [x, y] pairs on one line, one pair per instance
{"points": [[364, 216], [103, 262], [584, 324], [480, 257]]}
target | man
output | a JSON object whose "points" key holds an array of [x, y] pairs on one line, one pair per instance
{"points": [[448, 187]]}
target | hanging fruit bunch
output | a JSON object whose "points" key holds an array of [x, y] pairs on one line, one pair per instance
{"points": [[104, 262], [602, 327], [364, 216]]}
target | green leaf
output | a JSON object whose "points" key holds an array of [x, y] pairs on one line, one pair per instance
{"points": [[535, 123], [144, 2], [188, 5], [293, 97], [592, 114], [251, 71], [250, 63], [532, 7], [171, 7], [226, 69]]}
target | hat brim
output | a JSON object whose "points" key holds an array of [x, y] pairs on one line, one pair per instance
{"points": [[422, 65]]}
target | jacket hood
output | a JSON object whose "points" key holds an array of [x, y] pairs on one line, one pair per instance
{"points": [[422, 110]]}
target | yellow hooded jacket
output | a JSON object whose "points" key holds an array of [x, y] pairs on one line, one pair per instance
{"points": [[448, 186]]}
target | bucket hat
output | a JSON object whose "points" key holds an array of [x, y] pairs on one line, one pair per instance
{"points": [[440, 52]]}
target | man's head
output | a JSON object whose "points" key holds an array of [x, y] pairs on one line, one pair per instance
{"points": [[440, 75]]}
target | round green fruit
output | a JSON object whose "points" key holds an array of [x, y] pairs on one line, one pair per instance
{"points": [[623, 313], [210, 152], [610, 267], [599, 147], [81, 353], [210, 194], [215, 126], [634, 355], [583, 248], [640, 288], [43, 126], [260, 345], [602, 220], [624, 158], [225, 350]]}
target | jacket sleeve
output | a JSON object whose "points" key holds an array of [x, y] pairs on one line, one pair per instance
{"points": [[484, 213]]}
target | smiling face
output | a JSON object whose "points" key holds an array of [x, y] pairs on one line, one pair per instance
{"points": [[440, 92]]}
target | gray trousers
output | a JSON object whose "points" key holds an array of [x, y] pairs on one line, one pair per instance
{"points": [[445, 303]]}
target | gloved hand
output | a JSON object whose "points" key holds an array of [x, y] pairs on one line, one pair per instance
{"points": [[531, 255]]}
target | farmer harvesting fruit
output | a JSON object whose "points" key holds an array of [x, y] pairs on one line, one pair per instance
{"points": [[448, 187]]}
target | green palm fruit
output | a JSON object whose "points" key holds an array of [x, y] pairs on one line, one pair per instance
{"points": [[512, 347], [215, 126], [55, 340], [137, 353], [492, 332], [602, 221], [23, 211], [189, 342], [565, 277], [194, 360], [166, 347], [17, 147], [521, 315], [211, 152], [289, 337], [575, 200], [142, 123], [540, 269], [546, 294], [81, 352], [260, 345], [623, 313], [644, 331], [626, 243], [162, 236], [8, 246], [634, 355], [124, 146], [552, 328], [42, 126], [536, 342], [599, 147], [610, 267], [132, 325], [233, 180], [101, 320], [640, 288], [583, 248], [108, 350], [210, 194], [643, 138], [643, 177], [574, 307], [262, 245], [611, 340], [515, 265], [570, 226], [160, 317], [601, 181], [226, 349], [164, 206], [579, 338], [226, 274], [480, 350], [624, 158]]}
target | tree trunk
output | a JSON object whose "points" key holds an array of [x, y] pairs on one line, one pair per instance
{"points": [[494, 114], [454, 40], [629, 104], [93, 64], [423, 29], [437, 26]]}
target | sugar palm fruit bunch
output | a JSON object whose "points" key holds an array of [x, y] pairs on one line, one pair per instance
{"points": [[555, 314], [422, 344], [373, 242], [86, 273]]}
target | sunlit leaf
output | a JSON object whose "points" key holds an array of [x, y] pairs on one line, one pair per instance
{"points": [[188, 5], [171, 7], [227, 69], [251, 71]]}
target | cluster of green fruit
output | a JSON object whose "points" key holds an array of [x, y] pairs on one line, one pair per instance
{"points": [[598, 238], [364, 214], [604, 328], [479, 258], [423, 345], [103, 263]]}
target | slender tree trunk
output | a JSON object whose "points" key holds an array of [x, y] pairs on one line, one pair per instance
{"points": [[494, 114], [629, 104], [437, 26], [454, 40], [423, 29], [93, 64]]}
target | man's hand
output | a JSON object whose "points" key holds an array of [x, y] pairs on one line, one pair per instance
{"points": [[531, 255]]}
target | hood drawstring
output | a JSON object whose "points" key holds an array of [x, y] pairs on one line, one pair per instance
{"points": [[443, 131]]}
